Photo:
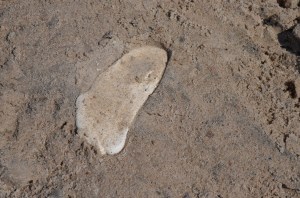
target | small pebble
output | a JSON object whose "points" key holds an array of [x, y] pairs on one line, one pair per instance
{"points": [[296, 31], [11, 36]]}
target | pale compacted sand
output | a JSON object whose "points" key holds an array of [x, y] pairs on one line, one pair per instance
{"points": [[105, 113]]}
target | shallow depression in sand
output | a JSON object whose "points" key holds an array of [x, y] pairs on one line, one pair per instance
{"points": [[106, 112]]}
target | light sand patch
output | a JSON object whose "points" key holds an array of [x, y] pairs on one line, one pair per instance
{"points": [[106, 112]]}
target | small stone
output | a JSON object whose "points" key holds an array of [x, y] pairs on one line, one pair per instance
{"points": [[296, 31], [11, 36], [17, 53]]}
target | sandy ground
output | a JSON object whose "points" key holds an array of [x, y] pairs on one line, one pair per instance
{"points": [[223, 122]]}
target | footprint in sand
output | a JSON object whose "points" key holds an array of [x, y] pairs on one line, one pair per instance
{"points": [[106, 112]]}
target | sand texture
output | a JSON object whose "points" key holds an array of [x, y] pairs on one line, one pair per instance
{"points": [[223, 121]]}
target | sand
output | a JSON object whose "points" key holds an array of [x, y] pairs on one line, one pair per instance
{"points": [[223, 122]]}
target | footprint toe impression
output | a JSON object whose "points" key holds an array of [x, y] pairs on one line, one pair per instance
{"points": [[106, 112]]}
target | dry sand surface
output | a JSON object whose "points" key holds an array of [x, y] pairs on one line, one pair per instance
{"points": [[223, 122]]}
